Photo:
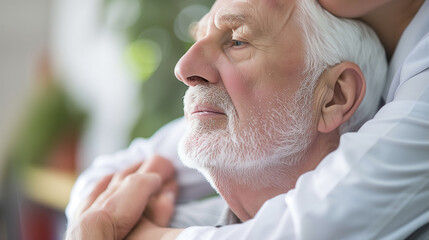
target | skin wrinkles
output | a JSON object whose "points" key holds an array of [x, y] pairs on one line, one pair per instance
{"points": [[240, 21], [246, 22], [266, 34], [246, 86]]}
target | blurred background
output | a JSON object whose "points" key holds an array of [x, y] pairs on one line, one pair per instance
{"points": [[79, 79]]}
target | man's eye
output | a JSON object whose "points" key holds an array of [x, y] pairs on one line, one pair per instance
{"points": [[236, 43]]}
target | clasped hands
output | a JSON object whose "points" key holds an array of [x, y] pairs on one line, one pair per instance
{"points": [[136, 203]]}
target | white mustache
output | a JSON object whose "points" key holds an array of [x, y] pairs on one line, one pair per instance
{"points": [[208, 94]]}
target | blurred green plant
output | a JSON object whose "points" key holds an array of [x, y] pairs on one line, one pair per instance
{"points": [[143, 57], [51, 114], [157, 35]]}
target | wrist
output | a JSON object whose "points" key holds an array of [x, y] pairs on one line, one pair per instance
{"points": [[171, 234], [146, 230]]}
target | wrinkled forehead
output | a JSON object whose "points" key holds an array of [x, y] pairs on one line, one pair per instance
{"points": [[271, 5], [264, 14]]}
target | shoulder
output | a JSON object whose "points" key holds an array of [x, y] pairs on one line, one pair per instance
{"points": [[418, 59]]}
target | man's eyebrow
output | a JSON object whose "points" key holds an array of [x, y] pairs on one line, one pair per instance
{"points": [[229, 19], [239, 19], [232, 20]]}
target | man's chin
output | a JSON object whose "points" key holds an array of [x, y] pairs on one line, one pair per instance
{"points": [[198, 126], [187, 152]]}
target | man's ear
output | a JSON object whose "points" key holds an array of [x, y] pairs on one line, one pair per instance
{"points": [[342, 88]]}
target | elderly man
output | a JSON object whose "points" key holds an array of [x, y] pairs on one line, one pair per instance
{"points": [[261, 108], [272, 85]]}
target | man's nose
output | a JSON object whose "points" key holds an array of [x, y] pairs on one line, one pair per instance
{"points": [[197, 66]]}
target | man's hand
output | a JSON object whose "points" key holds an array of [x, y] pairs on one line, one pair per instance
{"points": [[118, 201]]}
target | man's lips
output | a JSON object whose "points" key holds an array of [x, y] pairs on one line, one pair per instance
{"points": [[206, 110]]}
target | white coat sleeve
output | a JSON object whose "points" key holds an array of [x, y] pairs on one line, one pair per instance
{"points": [[374, 186], [192, 185]]}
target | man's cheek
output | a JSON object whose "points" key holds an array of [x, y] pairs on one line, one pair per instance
{"points": [[240, 84]]}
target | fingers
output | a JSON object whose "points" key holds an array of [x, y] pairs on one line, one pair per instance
{"points": [[99, 188], [155, 164], [161, 207], [159, 165], [125, 195], [134, 193], [101, 194], [140, 178], [125, 205], [108, 185], [119, 176]]}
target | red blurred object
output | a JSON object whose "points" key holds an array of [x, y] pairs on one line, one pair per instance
{"points": [[38, 222]]}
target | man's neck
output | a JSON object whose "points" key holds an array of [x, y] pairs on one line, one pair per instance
{"points": [[390, 20], [245, 201]]}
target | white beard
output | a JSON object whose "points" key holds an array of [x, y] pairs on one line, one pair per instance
{"points": [[257, 155]]}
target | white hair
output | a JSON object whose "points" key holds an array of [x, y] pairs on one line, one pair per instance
{"points": [[330, 40]]}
